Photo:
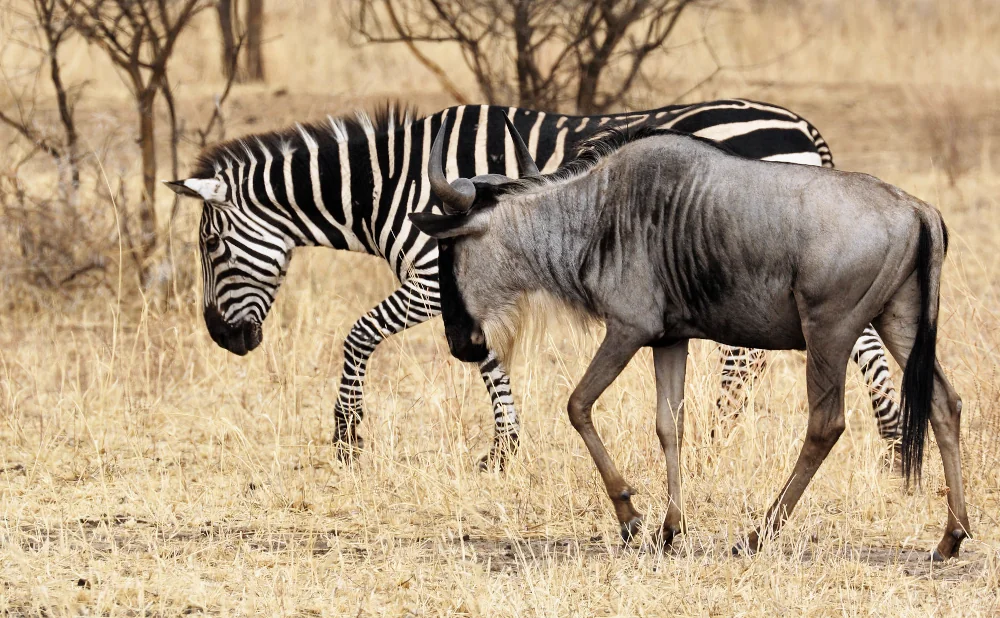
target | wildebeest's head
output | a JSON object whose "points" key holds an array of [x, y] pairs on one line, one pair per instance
{"points": [[479, 304], [243, 262]]}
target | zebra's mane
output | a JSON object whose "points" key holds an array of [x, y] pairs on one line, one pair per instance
{"points": [[595, 149], [329, 133]]}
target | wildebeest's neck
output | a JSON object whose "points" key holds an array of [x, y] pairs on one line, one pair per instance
{"points": [[546, 235]]}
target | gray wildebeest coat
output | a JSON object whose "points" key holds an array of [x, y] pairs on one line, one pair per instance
{"points": [[666, 237]]}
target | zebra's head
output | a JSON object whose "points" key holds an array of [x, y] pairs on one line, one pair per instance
{"points": [[243, 262]]}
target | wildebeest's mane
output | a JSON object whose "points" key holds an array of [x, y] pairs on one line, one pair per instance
{"points": [[595, 149], [329, 133]]}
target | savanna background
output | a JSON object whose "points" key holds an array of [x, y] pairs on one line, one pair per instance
{"points": [[145, 471]]}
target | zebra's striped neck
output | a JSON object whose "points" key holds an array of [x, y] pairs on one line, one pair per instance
{"points": [[334, 185]]}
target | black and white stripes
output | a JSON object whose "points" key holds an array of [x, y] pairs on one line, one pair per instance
{"points": [[350, 184]]}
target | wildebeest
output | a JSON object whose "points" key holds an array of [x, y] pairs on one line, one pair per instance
{"points": [[666, 237]]}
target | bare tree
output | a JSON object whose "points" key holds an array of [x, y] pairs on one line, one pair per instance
{"points": [[255, 35], [250, 30], [227, 27], [580, 54], [52, 29], [139, 36]]}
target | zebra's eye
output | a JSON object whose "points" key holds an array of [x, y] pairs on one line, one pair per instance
{"points": [[212, 243]]}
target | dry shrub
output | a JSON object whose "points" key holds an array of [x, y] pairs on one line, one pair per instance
{"points": [[954, 137], [46, 244]]}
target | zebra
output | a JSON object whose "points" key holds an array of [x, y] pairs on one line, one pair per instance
{"points": [[349, 183]]}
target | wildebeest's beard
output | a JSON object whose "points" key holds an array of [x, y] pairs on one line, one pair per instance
{"points": [[465, 338], [467, 203]]}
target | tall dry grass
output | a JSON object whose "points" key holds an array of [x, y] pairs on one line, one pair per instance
{"points": [[143, 470]]}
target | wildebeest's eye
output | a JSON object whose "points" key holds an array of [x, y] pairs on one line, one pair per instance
{"points": [[212, 243]]}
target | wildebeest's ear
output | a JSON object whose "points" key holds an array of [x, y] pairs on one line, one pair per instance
{"points": [[207, 189], [449, 225]]}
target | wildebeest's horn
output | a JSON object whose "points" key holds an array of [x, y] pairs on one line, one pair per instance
{"points": [[457, 196], [525, 164]]}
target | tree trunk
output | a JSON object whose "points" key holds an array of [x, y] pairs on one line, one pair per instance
{"points": [[586, 92], [225, 9], [147, 144], [527, 88], [255, 32]]}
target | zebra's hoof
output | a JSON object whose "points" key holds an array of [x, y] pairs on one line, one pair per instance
{"points": [[892, 459], [348, 450], [496, 460], [491, 462]]}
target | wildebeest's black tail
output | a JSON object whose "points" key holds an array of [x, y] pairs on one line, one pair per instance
{"points": [[918, 376]]}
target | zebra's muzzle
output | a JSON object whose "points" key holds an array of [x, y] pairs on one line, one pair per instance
{"points": [[237, 338]]}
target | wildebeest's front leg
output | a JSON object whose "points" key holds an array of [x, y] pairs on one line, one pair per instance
{"points": [[615, 352], [826, 367], [670, 364]]}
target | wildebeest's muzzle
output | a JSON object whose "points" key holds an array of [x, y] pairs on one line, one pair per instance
{"points": [[467, 345], [237, 338]]}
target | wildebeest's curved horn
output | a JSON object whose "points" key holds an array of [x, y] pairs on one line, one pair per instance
{"points": [[525, 164], [457, 196]]}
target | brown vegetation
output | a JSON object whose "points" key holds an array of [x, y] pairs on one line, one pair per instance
{"points": [[145, 470]]}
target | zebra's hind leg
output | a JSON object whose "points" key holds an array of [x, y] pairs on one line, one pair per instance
{"points": [[740, 367], [869, 354], [413, 303], [506, 425]]}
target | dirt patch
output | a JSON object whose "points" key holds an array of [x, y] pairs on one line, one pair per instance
{"points": [[125, 534]]}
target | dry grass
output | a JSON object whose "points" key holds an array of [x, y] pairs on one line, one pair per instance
{"points": [[144, 471]]}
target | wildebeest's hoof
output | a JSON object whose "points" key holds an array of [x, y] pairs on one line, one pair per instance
{"points": [[630, 529], [749, 546], [666, 536], [949, 545]]}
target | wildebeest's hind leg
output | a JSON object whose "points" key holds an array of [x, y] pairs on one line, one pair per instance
{"points": [[670, 364], [898, 327], [615, 352], [828, 351]]}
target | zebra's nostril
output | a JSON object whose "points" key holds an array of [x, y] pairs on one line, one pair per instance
{"points": [[215, 323], [236, 338]]}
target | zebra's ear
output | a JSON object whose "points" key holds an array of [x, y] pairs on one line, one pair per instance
{"points": [[450, 225], [207, 189]]}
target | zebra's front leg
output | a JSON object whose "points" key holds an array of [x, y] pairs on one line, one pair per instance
{"points": [[506, 426], [408, 306], [869, 354], [359, 345]]}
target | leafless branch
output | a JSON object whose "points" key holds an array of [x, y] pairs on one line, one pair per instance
{"points": [[546, 54]]}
